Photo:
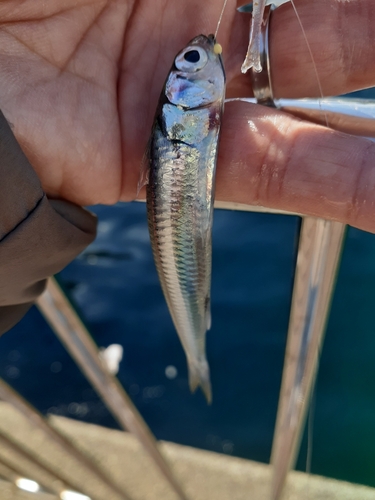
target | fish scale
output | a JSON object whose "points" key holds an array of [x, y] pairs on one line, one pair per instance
{"points": [[180, 273]]}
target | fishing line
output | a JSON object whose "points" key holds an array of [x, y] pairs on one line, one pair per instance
{"points": [[312, 59], [220, 18]]}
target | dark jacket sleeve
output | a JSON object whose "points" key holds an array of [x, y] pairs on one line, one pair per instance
{"points": [[38, 236]]}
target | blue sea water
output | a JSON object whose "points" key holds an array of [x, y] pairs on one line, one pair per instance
{"points": [[115, 287]]}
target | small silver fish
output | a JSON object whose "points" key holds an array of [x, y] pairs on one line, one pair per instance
{"points": [[180, 194]]}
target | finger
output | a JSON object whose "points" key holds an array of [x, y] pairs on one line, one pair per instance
{"points": [[271, 159], [340, 34]]}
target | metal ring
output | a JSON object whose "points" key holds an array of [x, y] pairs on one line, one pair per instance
{"points": [[261, 81]]}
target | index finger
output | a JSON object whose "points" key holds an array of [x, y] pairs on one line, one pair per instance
{"points": [[270, 159]]}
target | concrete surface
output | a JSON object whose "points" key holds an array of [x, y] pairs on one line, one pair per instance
{"points": [[204, 475]]}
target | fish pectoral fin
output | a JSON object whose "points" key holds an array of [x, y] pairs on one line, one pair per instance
{"points": [[208, 313], [199, 376]]}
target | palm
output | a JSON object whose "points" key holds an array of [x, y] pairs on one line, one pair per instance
{"points": [[80, 79], [79, 82]]}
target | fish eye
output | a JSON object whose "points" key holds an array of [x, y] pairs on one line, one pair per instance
{"points": [[191, 59], [192, 56]]}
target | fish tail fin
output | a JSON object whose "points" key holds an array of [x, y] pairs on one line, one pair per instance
{"points": [[199, 376]]}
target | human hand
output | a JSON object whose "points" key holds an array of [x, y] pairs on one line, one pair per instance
{"points": [[80, 82], [279, 162]]}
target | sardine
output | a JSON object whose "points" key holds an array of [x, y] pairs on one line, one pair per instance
{"points": [[182, 157]]}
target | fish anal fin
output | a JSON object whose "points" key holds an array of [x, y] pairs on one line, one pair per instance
{"points": [[208, 313]]}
